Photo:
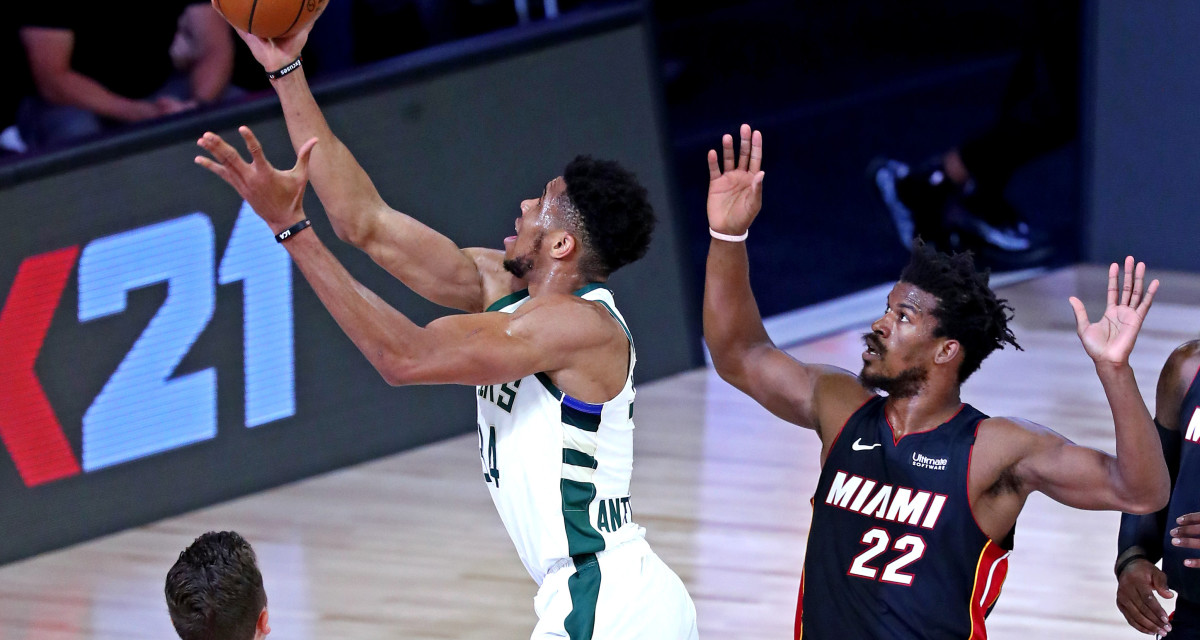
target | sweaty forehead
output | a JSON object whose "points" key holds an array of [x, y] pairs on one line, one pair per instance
{"points": [[913, 296], [556, 187]]}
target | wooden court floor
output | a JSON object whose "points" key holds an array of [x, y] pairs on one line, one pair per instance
{"points": [[410, 546]]}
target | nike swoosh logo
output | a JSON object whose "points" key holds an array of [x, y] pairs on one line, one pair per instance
{"points": [[858, 446]]}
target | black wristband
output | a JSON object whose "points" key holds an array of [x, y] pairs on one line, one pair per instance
{"points": [[293, 230], [1126, 562], [287, 68]]}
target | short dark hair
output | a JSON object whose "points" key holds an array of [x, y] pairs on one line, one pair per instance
{"points": [[214, 590], [616, 217], [967, 310]]}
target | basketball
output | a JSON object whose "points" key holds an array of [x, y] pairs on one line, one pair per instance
{"points": [[269, 18]]}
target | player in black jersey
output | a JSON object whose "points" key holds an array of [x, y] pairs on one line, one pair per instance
{"points": [[919, 493], [1145, 539]]}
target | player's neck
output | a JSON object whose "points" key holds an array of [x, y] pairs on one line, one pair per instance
{"points": [[559, 278], [925, 411]]}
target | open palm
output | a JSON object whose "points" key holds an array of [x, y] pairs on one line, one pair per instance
{"points": [[735, 194], [1110, 339]]}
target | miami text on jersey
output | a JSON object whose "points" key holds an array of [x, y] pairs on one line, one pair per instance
{"points": [[885, 502]]}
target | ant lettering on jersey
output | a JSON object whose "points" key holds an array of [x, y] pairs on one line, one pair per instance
{"points": [[613, 513], [502, 395], [885, 502]]}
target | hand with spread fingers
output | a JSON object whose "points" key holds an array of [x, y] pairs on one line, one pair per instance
{"points": [[735, 191], [1110, 339], [1137, 585], [276, 196]]}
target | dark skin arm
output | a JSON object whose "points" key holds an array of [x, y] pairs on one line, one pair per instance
{"points": [[573, 340], [426, 261], [818, 397], [1140, 579], [1014, 457], [1187, 533]]}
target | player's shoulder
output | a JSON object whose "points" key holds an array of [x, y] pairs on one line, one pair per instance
{"points": [[567, 316], [1013, 437], [1183, 361]]}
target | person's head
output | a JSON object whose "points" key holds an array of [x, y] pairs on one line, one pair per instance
{"points": [[596, 215], [215, 591], [941, 319]]}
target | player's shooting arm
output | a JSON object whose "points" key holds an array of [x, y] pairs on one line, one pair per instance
{"points": [[426, 261]]}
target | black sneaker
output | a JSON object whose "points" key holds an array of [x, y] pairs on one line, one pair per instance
{"points": [[917, 200], [992, 219]]}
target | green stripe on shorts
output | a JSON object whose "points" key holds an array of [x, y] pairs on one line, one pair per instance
{"points": [[584, 586]]}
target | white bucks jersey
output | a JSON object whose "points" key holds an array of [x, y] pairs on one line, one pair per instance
{"points": [[558, 468]]}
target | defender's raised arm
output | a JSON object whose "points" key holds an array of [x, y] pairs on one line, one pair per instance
{"points": [[742, 352]]}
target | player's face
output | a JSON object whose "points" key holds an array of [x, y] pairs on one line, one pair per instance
{"points": [[901, 346], [521, 251]]}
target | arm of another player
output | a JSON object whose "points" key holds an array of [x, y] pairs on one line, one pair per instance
{"points": [[549, 334], [1186, 528], [426, 261], [1139, 544], [1136, 479], [213, 69], [742, 352]]}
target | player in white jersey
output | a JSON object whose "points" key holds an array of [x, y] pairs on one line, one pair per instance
{"points": [[550, 358]]}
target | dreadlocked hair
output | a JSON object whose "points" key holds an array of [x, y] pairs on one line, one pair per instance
{"points": [[967, 310], [615, 214]]}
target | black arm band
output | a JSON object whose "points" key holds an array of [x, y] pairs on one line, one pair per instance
{"points": [[287, 68], [293, 230], [1126, 561]]}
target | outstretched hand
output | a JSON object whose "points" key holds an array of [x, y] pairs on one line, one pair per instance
{"points": [[1110, 339], [276, 196], [735, 195]]}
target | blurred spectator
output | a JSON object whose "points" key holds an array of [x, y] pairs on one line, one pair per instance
{"points": [[215, 590], [956, 200], [15, 87], [97, 68]]}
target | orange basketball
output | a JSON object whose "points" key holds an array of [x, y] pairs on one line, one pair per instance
{"points": [[269, 18]]}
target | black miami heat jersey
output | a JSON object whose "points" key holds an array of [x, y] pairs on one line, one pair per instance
{"points": [[1185, 497], [894, 551]]}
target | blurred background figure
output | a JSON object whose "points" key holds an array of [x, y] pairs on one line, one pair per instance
{"points": [[215, 590], [96, 70], [956, 200]]}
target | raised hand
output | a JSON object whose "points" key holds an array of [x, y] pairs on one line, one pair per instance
{"points": [[1136, 587], [1110, 339], [735, 195], [276, 196], [274, 53]]}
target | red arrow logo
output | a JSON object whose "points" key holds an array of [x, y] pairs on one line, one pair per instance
{"points": [[28, 425]]}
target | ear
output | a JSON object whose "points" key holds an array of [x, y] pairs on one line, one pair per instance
{"points": [[264, 625], [948, 351], [562, 244]]}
